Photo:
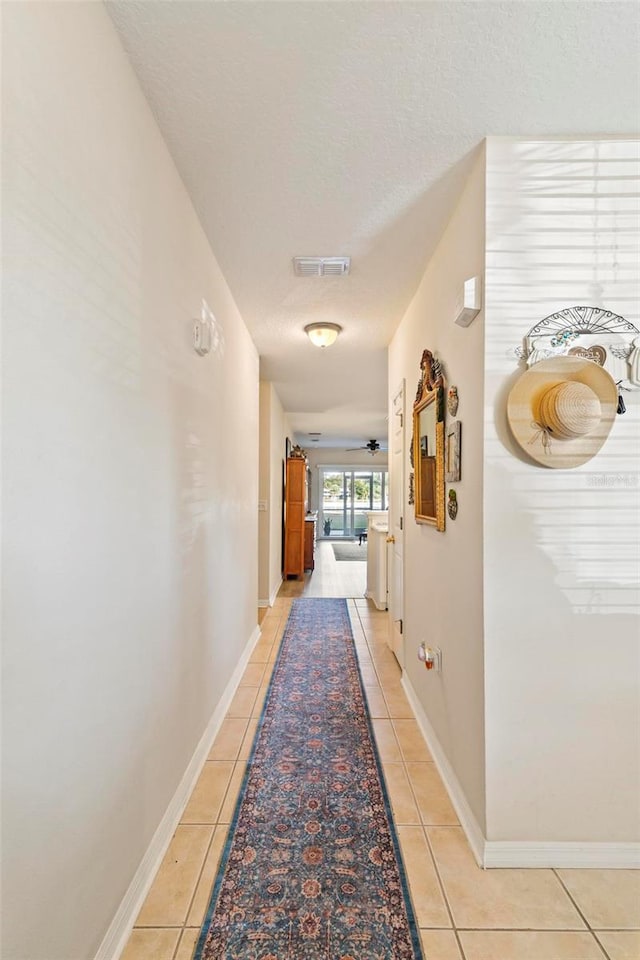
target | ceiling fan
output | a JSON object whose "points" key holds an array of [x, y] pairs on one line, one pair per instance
{"points": [[372, 446]]}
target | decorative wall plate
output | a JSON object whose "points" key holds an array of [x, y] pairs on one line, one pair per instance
{"points": [[590, 332], [584, 319]]}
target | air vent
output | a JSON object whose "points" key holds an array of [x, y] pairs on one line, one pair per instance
{"points": [[321, 266]]}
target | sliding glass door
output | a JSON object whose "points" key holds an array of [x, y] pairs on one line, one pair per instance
{"points": [[346, 496]]}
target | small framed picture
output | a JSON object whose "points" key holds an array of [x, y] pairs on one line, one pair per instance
{"points": [[452, 452]]}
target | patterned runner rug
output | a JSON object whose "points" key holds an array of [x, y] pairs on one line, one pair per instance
{"points": [[311, 869]]}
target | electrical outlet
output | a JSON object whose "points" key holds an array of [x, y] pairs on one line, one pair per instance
{"points": [[431, 657]]}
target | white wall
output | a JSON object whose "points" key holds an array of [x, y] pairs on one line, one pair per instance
{"points": [[280, 430], [561, 546], [551, 556], [274, 429], [264, 491], [443, 571], [130, 465]]}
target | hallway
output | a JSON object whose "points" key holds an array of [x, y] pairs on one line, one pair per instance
{"points": [[190, 190], [464, 913], [330, 578]]}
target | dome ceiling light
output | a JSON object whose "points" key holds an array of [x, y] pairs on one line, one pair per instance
{"points": [[322, 334]]}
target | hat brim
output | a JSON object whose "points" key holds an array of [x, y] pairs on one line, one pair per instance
{"points": [[523, 403]]}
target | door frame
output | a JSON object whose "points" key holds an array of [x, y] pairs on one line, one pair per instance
{"points": [[397, 522]]}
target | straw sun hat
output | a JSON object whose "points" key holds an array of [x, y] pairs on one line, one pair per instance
{"points": [[561, 410]]}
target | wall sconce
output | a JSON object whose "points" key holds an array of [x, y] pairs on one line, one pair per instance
{"points": [[322, 334], [207, 332]]}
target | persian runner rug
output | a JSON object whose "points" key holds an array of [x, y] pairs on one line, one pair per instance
{"points": [[311, 869]]}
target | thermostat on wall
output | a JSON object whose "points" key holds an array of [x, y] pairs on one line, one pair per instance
{"points": [[471, 304]]}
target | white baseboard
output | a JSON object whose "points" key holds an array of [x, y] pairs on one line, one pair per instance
{"points": [[120, 928], [465, 814], [515, 853], [272, 599], [369, 594], [604, 856]]}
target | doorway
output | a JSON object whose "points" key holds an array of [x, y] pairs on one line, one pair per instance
{"points": [[396, 528], [346, 496]]}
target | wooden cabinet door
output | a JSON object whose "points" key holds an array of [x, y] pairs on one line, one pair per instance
{"points": [[309, 543], [295, 494]]}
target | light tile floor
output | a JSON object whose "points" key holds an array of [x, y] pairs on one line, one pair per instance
{"points": [[464, 913], [330, 578]]}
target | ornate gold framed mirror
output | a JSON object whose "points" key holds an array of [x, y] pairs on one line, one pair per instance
{"points": [[428, 444]]}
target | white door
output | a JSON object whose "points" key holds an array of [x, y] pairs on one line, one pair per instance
{"points": [[396, 527]]}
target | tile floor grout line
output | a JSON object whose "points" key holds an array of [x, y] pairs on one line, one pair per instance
{"points": [[217, 824], [381, 685], [423, 828], [464, 929], [463, 955], [600, 944], [183, 926], [177, 946], [443, 891], [195, 889], [554, 870], [395, 825]]}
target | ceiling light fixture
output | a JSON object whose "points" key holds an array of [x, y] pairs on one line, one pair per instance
{"points": [[322, 334]]}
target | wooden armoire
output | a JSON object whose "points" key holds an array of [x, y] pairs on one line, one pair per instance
{"points": [[294, 516]]}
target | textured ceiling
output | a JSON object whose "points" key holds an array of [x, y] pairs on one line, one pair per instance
{"points": [[348, 128]]}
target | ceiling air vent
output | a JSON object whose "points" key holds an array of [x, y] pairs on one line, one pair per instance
{"points": [[321, 266]]}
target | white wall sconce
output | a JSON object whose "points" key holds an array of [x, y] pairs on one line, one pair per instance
{"points": [[322, 334], [207, 332], [201, 337], [471, 304]]}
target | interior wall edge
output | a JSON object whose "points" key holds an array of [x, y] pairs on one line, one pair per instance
{"points": [[443, 571]]}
